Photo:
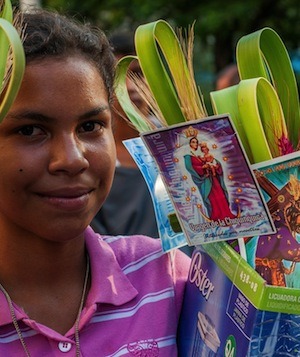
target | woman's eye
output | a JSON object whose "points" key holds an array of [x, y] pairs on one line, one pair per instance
{"points": [[90, 126], [30, 130]]}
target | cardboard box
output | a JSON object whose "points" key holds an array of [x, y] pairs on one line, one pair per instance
{"points": [[229, 310]]}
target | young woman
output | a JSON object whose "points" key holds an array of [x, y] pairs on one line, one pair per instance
{"points": [[65, 289]]}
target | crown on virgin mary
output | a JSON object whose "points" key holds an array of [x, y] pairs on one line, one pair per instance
{"points": [[190, 132]]}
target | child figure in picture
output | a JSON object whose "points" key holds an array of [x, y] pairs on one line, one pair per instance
{"points": [[210, 163], [64, 288]]}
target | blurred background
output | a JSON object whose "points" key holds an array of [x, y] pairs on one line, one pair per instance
{"points": [[218, 24]]}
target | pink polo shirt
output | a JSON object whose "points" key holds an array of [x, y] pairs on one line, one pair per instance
{"points": [[132, 308]]}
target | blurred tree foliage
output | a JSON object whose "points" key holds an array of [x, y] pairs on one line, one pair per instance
{"points": [[219, 24]]}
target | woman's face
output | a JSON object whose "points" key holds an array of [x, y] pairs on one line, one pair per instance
{"points": [[194, 143], [57, 152]]}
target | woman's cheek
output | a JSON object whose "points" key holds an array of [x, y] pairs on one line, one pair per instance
{"points": [[106, 163]]}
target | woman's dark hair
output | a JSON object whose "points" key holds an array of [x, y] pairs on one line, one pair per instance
{"points": [[49, 34]]}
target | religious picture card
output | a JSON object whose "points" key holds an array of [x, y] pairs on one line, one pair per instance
{"points": [[209, 180], [276, 256], [162, 204]]}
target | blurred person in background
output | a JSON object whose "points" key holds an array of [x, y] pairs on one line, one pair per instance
{"points": [[128, 209], [227, 77]]}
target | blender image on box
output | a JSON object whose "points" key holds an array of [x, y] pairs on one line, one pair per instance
{"points": [[207, 341]]}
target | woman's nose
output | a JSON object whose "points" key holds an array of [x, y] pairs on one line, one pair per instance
{"points": [[68, 155]]}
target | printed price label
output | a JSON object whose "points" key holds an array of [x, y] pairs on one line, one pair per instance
{"points": [[245, 278]]}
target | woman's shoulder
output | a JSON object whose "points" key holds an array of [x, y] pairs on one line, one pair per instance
{"points": [[134, 246], [141, 249], [123, 245]]}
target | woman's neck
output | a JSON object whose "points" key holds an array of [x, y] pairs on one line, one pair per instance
{"points": [[44, 281], [32, 257]]}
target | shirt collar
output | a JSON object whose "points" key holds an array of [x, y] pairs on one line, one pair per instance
{"points": [[109, 284]]}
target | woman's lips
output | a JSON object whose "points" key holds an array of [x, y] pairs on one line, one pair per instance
{"points": [[67, 199]]}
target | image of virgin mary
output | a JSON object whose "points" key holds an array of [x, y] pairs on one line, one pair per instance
{"points": [[210, 184]]}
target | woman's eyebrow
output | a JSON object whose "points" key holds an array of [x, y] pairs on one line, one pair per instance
{"points": [[28, 114], [94, 112]]}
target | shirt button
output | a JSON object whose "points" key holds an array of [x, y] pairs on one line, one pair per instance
{"points": [[64, 346]]}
